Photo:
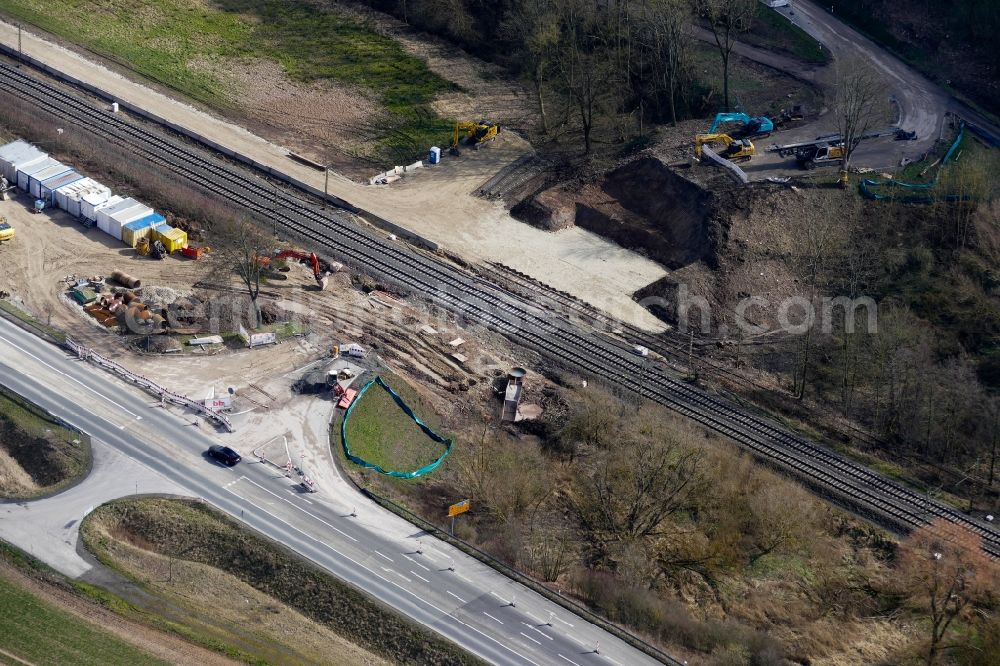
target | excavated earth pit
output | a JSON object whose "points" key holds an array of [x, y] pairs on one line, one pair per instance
{"points": [[643, 206]]}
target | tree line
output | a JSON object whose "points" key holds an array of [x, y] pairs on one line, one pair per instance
{"points": [[607, 69]]}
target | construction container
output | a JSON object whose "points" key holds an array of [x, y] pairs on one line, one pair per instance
{"points": [[172, 239], [83, 295], [92, 202], [24, 173], [119, 220], [104, 214], [70, 197], [434, 156], [36, 179], [134, 231], [49, 187], [193, 252], [19, 154]]}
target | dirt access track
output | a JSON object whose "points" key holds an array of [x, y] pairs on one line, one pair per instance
{"points": [[437, 203]]}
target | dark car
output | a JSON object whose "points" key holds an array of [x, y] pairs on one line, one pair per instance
{"points": [[224, 455]]}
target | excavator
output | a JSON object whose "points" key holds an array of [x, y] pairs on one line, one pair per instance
{"points": [[475, 133], [306, 258], [752, 126], [6, 231], [736, 149]]}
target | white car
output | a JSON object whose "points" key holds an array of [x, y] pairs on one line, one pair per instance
{"points": [[640, 350]]}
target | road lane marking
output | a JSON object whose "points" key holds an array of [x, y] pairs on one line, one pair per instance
{"points": [[385, 556], [455, 595], [308, 513], [537, 629], [569, 660], [499, 597], [530, 638], [556, 617], [383, 578], [415, 562], [419, 576], [73, 379], [492, 618], [408, 580]]}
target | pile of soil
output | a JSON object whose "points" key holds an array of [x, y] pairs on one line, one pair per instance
{"points": [[48, 460], [643, 206]]}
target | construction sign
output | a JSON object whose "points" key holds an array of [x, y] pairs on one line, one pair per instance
{"points": [[458, 508]]}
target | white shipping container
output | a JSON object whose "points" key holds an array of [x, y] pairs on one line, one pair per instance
{"points": [[92, 202], [119, 220], [36, 179], [68, 197], [49, 187], [25, 172], [18, 153], [105, 213], [110, 203]]}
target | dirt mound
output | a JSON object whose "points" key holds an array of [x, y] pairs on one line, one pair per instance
{"points": [[642, 205]]}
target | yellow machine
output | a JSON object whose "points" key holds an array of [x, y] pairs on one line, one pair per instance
{"points": [[820, 154], [475, 133], [6, 231], [736, 149], [142, 247]]}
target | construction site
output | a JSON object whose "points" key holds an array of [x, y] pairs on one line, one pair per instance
{"points": [[502, 324]]}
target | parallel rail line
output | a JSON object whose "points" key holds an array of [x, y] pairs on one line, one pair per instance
{"points": [[483, 302]]}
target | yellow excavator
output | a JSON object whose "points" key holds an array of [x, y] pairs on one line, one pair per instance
{"points": [[736, 149], [6, 231], [475, 134]]}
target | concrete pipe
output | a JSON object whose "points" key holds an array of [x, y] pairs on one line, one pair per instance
{"points": [[126, 279]]}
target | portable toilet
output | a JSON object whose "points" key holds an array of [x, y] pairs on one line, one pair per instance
{"points": [[19, 154], [434, 156], [134, 231], [92, 202]]}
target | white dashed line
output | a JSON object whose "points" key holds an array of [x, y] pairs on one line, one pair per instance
{"points": [[455, 595], [530, 638], [492, 618], [569, 660], [419, 576], [385, 556]]}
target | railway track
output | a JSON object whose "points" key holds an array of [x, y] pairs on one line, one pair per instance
{"points": [[481, 301]]}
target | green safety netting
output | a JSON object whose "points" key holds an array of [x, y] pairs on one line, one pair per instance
{"points": [[871, 188], [409, 412]]}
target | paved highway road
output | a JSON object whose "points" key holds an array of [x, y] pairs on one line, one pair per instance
{"points": [[427, 580]]}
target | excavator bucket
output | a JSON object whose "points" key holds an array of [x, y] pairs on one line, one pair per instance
{"points": [[321, 282]]}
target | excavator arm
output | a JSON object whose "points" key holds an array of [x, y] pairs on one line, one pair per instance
{"points": [[701, 139], [306, 258]]}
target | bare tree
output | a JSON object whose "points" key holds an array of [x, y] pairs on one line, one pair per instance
{"points": [[634, 486], [859, 104], [663, 26], [245, 249], [533, 26], [727, 19], [945, 571]]}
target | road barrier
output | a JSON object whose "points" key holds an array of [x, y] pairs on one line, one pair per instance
{"points": [[165, 395], [870, 188]]}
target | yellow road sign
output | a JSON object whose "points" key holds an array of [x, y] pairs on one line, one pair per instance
{"points": [[459, 507]]}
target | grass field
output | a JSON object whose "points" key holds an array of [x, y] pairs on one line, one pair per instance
{"points": [[160, 39], [773, 31], [49, 453], [201, 539], [38, 633], [383, 434]]}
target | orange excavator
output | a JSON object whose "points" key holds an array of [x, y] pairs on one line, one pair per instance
{"points": [[306, 258]]}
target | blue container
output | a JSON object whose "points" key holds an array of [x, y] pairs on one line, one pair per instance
{"points": [[434, 156]]}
